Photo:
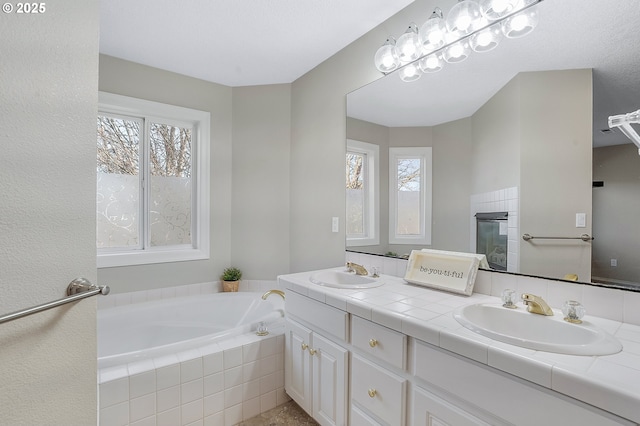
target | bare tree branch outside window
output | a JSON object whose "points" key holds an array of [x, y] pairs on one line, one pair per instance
{"points": [[409, 174], [118, 145], [354, 171]]}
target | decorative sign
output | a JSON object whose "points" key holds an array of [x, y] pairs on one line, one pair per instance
{"points": [[448, 271]]}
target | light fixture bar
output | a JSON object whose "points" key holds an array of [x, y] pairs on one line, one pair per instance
{"points": [[466, 37], [623, 122]]}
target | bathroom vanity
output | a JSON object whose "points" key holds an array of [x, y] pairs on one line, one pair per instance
{"points": [[394, 355]]}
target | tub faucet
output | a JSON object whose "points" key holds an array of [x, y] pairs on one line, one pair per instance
{"points": [[270, 292], [536, 305], [358, 269]]}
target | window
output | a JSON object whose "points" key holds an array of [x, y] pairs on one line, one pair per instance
{"points": [[410, 189], [362, 194], [152, 182]]}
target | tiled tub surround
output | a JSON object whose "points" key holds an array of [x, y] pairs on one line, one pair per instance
{"points": [[611, 383], [219, 384]]}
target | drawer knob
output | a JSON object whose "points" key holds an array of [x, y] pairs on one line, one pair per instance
{"points": [[372, 393], [312, 351], [304, 346], [373, 343]]}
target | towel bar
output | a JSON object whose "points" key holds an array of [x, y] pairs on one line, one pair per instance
{"points": [[583, 237], [77, 289]]}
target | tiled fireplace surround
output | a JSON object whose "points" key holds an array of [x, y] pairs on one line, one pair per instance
{"points": [[246, 376]]}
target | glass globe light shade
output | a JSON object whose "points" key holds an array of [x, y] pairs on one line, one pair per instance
{"points": [[463, 18], [432, 32], [408, 45], [386, 58], [521, 24], [409, 73], [496, 9], [486, 40], [456, 51], [431, 63]]}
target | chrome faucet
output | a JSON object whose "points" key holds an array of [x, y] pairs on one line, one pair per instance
{"points": [[358, 269], [536, 305], [270, 292]]}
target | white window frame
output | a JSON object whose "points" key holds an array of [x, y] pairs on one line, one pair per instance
{"points": [[372, 193], [199, 248], [426, 194]]}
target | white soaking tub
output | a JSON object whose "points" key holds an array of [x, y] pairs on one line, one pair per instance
{"points": [[146, 330]]}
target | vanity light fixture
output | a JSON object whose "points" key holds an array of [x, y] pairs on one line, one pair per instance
{"points": [[470, 26]]}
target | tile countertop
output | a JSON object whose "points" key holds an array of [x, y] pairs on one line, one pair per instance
{"points": [[610, 382]]}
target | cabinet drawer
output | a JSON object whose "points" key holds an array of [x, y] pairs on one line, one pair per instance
{"points": [[381, 342], [324, 317], [378, 391]]}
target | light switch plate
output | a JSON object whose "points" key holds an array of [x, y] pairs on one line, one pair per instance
{"points": [[335, 224], [581, 220]]}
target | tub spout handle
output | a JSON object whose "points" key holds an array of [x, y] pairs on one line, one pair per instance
{"points": [[270, 292]]}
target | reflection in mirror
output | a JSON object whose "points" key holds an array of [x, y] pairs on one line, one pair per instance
{"points": [[522, 131]]}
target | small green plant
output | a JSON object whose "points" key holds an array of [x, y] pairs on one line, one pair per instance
{"points": [[231, 274], [391, 254]]}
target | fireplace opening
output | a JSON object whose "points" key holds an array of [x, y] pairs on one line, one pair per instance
{"points": [[491, 238]]}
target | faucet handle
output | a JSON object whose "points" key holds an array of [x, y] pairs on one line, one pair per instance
{"points": [[509, 298], [573, 311]]}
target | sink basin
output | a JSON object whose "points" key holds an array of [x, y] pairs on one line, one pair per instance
{"points": [[339, 279], [543, 333]]}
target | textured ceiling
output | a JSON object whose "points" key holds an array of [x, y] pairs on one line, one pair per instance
{"points": [[237, 42], [598, 34]]}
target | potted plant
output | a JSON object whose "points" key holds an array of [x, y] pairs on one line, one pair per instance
{"points": [[231, 279]]}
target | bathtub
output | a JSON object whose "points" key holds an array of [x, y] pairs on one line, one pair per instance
{"points": [[190, 359], [149, 330]]}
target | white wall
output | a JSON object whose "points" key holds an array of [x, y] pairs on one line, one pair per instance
{"points": [[318, 128], [260, 199], [48, 106], [496, 141], [615, 212], [554, 151]]}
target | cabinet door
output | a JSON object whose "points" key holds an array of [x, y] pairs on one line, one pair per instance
{"points": [[297, 367], [430, 410], [359, 418], [330, 363]]}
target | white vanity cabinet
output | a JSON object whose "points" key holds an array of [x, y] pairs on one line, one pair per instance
{"points": [[344, 369], [316, 366]]}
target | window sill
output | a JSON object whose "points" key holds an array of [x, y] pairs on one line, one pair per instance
{"points": [[128, 258]]}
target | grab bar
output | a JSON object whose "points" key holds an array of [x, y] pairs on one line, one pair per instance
{"points": [[76, 290], [583, 237]]}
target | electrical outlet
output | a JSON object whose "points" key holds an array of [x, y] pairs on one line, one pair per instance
{"points": [[335, 224], [614, 262]]}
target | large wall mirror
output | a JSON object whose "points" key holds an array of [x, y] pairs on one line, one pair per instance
{"points": [[522, 132]]}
